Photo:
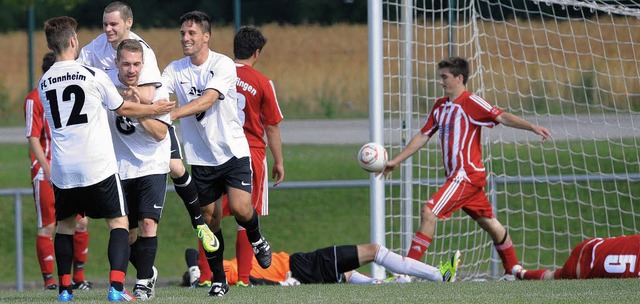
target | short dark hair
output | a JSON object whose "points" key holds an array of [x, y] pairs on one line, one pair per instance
{"points": [[123, 8], [130, 45], [457, 66], [58, 30], [47, 61], [200, 18], [248, 39]]}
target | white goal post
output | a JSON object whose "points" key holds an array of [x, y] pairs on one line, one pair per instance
{"points": [[571, 66]]}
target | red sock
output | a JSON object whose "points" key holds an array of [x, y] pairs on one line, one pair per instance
{"points": [[244, 253], [46, 256], [419, 245], [116, 276], [535, 274], [507, 254], [80, 248], [205, 271], [64, 281]]}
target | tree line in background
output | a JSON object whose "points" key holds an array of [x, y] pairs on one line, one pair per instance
{"points": [[165, 13]]}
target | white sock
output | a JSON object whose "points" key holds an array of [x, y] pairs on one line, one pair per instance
{"points": [[405, 265], [359, 278]]}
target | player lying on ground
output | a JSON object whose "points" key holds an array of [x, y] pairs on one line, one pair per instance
{"points": [[334, 264], [615, 257]]}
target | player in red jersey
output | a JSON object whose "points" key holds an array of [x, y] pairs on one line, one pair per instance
{"points": [[257, 99], [614, 257], [460, 116], [39, 137]]}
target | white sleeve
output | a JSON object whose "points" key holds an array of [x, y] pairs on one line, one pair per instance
{"points": [[168, 80], [110, 96], [225, 77]]}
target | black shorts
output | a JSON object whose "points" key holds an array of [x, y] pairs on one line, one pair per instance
{"points": [[101, 200], [145, 197], [176, 149], [211, 181], [325, 265]]}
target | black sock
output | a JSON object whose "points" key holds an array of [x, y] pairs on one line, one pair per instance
{"points": [[252, 226], [191, 256], [133, 256], [118, 249], [63, 249], [186, 189], [215, 260], [147, 248]]}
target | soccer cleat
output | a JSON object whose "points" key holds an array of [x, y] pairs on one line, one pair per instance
{"points": [[218, 289], [120, 296], [194, 276], [145, 289], [518, 272], [204, 284], [52, 286], [243, 284], [209, 240], [84, 285], [450, 268], [262, 251], [65, 296]]}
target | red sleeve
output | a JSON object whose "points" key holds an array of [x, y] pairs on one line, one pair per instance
{"points": [[270, 111], [431, 126], [481, 111], [34, 114]]}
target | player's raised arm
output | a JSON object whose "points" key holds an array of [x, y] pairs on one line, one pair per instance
{"points": [[132, 109], [196, 106]]}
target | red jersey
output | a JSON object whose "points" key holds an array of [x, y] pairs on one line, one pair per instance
{"points": [[37, 126], [460, 124], [616, 257], [261, 108]]}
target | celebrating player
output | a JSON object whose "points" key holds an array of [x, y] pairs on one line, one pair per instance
{"points": [[39, 137], [257, 97], [83, 165], [141, 147], [460, 116], [117, 20], [614, 257], [216, 147], [335, 264]]}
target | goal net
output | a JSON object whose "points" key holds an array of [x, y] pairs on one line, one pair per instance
{"points": [[570, 66]]}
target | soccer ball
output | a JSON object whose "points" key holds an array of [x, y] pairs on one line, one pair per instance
{"points": [[372, 157]]}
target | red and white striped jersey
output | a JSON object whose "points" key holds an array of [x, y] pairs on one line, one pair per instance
{"points": [[460, 124], [257, 97], [37, 126]]}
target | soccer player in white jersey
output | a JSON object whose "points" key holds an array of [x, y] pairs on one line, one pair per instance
{"points": [[460, 116], [117, 20], [84, 170], [142, 146], [215, 145]]}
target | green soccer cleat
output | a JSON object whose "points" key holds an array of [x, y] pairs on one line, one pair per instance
{"points": [[209, 240], [450, 268]]}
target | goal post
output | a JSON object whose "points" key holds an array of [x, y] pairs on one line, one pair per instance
{"points": [[568, 65]]}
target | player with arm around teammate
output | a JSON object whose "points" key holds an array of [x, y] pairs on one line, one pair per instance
{"points": [[117, 20], [215, 145], [613, 257], [39, 138], [460, 117], [84, 170], [142, 146]]}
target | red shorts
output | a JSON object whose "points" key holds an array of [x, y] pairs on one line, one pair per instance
{"points": [[45, 202], [259, 182], [455, 194]]}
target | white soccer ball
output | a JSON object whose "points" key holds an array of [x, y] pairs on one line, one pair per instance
{"points": [[372, 157]]}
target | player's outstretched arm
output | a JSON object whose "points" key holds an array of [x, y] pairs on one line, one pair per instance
{"points": [[132, 109], [416, 143], [513, 121], [197, 105]]}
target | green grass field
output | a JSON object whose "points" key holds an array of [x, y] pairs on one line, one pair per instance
{"points": [[299, 220]]}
